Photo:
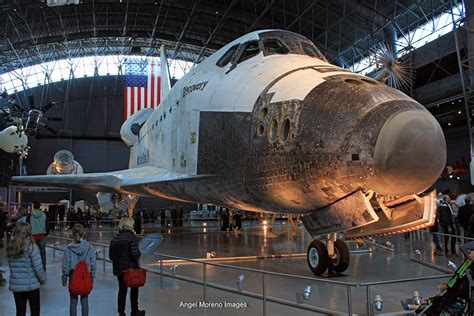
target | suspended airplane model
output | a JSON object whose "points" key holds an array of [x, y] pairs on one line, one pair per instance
{"points": [[266, 124]]}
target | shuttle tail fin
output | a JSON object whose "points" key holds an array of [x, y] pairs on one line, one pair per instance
{"points": [[165, 74]]}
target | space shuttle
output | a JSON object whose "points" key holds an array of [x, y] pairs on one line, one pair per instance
{"points": [[267, 124]]}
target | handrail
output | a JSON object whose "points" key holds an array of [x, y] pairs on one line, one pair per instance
{"points": [[272, 299], [264, 274], [424, 231], [431, 277], [304, 277], [354, 284], [255, 270], [70, 239]]}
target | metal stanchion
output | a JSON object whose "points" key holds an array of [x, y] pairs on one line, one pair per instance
{"points": [[443, 245], [369, 303], [204, 281], [103, 258], [161, 272], [264, 293], [54, 250], [349, 300]]}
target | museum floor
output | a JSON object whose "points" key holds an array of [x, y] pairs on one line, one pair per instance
{"points": [[368, 264]]}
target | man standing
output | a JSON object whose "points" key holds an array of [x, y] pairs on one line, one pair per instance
{"points": [[446, 222], [3, 226], [39, 229], [137, 217], [464, 216]]}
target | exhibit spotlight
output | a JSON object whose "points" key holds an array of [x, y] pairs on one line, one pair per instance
{"points": [[389, 245], [174, 268], [240, 282], [378, 302], [452, 265], [307, 292], [419, 254]]}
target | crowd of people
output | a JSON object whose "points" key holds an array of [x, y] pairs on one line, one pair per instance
{"points": [[26, 251], [26, 255], [452, 219]]}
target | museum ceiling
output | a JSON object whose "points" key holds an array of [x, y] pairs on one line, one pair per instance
{"points": [[32, 32]]}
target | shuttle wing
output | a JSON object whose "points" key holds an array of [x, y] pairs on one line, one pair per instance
{"points": [[116, 181]]}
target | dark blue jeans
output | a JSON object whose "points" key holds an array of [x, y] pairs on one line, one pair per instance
{"points": [[436, 242], [42, 248]]}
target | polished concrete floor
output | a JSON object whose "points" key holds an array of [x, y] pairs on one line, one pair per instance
{"points": [[170, 297]]}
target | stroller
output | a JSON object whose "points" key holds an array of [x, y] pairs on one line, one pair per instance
{"points": [[456, 299]]}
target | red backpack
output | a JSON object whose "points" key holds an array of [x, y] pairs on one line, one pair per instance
{"points": [[81, 283]]}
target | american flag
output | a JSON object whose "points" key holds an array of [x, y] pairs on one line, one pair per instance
{"points": [[141, 85]]}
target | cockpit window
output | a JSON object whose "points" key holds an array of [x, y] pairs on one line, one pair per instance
{"points": [[274, 47], [296, 44], [309, 50], [226, 58], [250, 50]]}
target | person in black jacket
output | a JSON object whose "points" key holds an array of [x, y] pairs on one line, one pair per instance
{"points": [[125, 254], [446, 222], [137, 218], [464, 216], [3, 226]]}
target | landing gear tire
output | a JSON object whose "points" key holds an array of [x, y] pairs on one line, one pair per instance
{"points": [[342, 257], [318, 258]]}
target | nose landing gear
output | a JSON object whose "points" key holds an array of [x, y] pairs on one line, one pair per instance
{"points": [[332, 254]]}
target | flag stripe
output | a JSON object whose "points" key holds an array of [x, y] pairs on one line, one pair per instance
{"points": [[141, 85], [149, 83], [132, 100], [159, 90], [135, 99], [125, 102], [151, 87]]}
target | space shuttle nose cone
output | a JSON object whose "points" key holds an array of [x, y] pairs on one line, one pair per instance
{"points": [[409, 155]]}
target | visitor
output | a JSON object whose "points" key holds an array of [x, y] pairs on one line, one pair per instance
{"points": [[79, 216], [125, 254], [464, 216], [455, 210], [39, 229], [78, 250], [3, 226], [180, 216], [162, 217], [435, 232], [70, 217], [445, 215], [21, 215], [174, 217], [137, 222], [61, 213], [168, 217], [26, 270]]}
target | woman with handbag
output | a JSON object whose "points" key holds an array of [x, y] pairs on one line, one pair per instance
{"points": [[125, 255], [26, 270], [79, 258]]}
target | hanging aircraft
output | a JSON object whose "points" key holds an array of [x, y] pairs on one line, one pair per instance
{"points": [[266, 124]]}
